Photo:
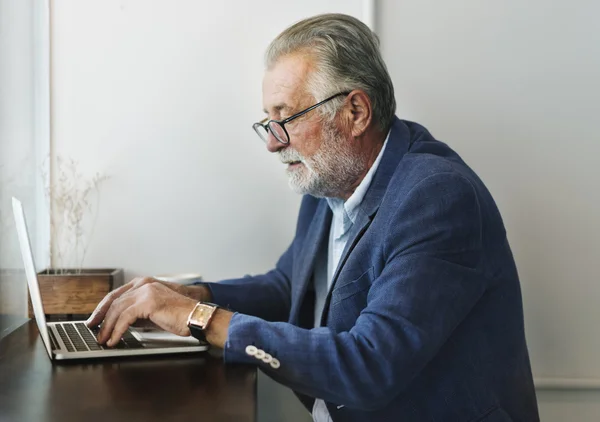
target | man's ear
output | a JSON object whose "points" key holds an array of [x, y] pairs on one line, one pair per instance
{"points": [[359, 112]]}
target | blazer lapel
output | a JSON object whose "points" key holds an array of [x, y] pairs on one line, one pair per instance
{"points": [[363, 221], [398, 144], [316, 235]]}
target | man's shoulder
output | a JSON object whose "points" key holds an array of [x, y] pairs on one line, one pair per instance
{"points": [[430, 161], [425, 156], [431, 174]]}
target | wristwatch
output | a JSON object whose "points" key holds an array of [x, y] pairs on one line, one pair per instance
{"points": [[200, 318]]}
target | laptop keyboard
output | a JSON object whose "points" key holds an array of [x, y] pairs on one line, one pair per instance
{"points": [[76, 336]]}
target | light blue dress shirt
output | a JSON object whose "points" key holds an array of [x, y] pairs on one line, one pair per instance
{"points": [[344, 216]]}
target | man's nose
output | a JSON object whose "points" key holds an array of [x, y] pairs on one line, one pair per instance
{"points": [[273, 145]]}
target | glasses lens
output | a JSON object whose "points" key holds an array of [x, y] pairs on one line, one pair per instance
{"points": [[279, 132], [261, 131]]}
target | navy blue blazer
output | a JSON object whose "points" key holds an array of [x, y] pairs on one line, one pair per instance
{"points": [[424, 321]]}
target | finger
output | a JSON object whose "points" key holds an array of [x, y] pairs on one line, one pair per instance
{"points": [[112, 315], [127, 317], [128, 298], [99, 313]]}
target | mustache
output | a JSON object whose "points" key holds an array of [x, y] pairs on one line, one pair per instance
{"points": [[289, 155]]}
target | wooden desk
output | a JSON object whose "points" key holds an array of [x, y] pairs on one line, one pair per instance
{"points": [[197, 387]]}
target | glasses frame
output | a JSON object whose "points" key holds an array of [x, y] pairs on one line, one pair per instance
{"points": [[266, 123]]}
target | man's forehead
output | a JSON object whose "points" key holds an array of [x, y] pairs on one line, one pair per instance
{"points": [[284, 83], [280, 93]]}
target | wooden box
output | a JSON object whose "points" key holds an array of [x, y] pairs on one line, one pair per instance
{"points": [[75, 293]]}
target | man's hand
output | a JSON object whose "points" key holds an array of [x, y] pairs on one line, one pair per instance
{"points": [[142, 299], [198, 293]]}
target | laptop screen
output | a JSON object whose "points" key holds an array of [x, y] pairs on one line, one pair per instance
{"points": [[30, 273]]}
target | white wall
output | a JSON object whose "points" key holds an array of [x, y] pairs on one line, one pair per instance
{"points": [[513, 86]]}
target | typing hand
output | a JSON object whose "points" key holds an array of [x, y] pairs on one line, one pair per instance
{"points": [[141, 299], [199, 293]]}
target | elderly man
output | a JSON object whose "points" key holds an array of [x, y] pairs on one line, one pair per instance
{"points": [[398, 298]]}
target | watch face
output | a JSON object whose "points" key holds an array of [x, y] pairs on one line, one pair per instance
{"points": [[201, 315]]}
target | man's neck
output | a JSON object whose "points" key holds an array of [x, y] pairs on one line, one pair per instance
{"points": [[371, 145]]}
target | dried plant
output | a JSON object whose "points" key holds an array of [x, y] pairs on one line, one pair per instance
{"points": [[74, 204]]}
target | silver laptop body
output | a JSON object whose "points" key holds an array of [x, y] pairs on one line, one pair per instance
{"points": [[73, 339]]}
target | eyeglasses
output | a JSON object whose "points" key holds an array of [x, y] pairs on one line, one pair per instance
{"points": [[277, 127]]}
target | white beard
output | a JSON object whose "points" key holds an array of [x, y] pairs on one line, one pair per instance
{"points": [[331, 171]]}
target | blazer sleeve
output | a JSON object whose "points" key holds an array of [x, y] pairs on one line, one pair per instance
{"points": [[428, 284]]}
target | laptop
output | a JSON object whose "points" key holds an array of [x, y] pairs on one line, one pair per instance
{"points": [[73, 339]]}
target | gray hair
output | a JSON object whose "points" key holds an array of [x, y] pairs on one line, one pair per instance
{"points": [[348, 57]]}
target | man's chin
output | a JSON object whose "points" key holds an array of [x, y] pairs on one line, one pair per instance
{"points": [[298, 185], [304, 182], [299, 189], [306, 189]]}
